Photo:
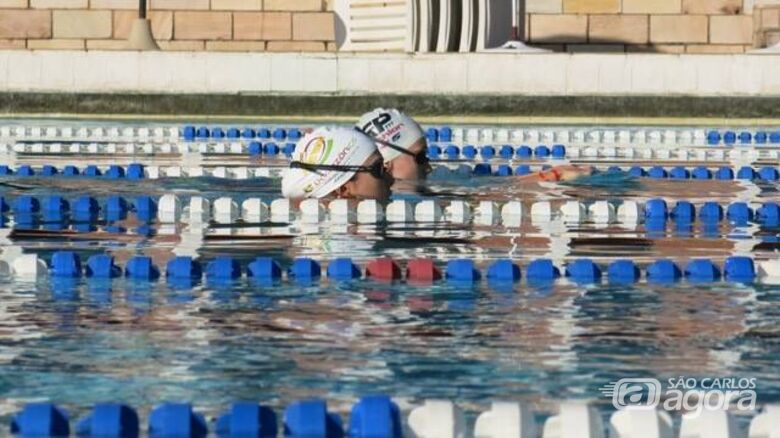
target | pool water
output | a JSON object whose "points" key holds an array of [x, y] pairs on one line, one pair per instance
{"points": [[81, 341]]}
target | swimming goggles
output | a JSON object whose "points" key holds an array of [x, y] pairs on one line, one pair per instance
{"points": [[421, 158], [377, 170]]}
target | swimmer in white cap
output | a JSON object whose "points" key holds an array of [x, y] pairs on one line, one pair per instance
{"points": [[404, 147], [400, 140], [336, 162]]}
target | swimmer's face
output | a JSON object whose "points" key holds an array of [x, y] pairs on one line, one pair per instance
{"points": [[406, 167], [364, 185]]}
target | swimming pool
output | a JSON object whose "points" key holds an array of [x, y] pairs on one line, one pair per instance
{"points": [[219, 291]]}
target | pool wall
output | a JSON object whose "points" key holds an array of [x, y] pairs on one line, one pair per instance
{"points": [[432, 84]]}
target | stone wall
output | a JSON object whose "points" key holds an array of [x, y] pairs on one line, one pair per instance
{"points": [[189, 25], [670, 26]]}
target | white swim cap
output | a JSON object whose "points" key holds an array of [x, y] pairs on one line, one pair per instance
{"points": [[391, 126], [331, 146]]}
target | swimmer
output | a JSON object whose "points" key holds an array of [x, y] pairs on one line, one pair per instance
{"points": [[404, 147], [400, 140], [334, 162]]}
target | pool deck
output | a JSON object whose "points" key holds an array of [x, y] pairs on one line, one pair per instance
{"points": [[532, 86]]}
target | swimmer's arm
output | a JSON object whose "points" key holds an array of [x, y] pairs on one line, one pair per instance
{"points": [[558, 173]]}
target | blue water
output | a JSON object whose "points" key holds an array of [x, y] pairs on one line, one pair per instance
{"points": [[82, 342]]}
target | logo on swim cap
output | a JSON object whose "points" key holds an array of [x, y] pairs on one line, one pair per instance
{"points": [[317, 150], [378, 124]]}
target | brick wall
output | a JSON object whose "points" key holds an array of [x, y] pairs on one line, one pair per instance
{"points": [[219, 25], [676, 26], [766, 25]]}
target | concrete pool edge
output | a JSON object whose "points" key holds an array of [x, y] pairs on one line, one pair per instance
{"points": [[471, 108]]}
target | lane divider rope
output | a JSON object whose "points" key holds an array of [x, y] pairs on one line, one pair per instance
{"points": [[138, 170], [378, 416], [420, 271], [170, 208]]}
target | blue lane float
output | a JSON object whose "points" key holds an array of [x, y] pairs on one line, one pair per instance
{"points": [[265, 268], [542, 151], [622, 272], [701, 172], [482, 169], [739, 212], [434, 151], [768, 212], [102, 266], [542, 270], [310, 418], [255, 148], [583, 271], [177, 420], [65, 264], [637, 171], [92, 171], [133, 171], [343, 269], [656, 209], [711, 212], [246, 419], [684, 211], [146, 208], [663, 271], [462, 270], [715, 138], [141, 268], [248, 133], [110, 420], [524, 151], [740, 269], [504, 271], [375, 417], [304, 269], [183, 268], [41, 420], [523, 169], [702, 270], [506, 151], [223, 268]]}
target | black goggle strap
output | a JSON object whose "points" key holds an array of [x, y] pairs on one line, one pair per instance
{"points": [[387, 143], [337, 168]]}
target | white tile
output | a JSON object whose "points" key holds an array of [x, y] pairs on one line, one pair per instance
{"points": [[540, 72], [297, 72], [552, 74], [713, 74], [24, 71], [238, 72], [57, 68], [582, 74], [647, 73]]}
